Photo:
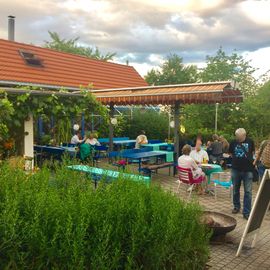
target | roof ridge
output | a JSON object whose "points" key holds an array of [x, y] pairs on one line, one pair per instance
{"points": [[165, 86]]}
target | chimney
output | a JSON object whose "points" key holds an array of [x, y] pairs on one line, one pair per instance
{"points": [[11, 27]]}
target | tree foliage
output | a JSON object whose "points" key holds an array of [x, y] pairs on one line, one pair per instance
{"points": [[172, 71], [71, 46], [223, 67]]}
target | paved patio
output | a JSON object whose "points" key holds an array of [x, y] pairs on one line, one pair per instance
{"points": [[223, 254]]}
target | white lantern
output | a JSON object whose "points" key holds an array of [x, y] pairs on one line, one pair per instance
{"points": [[114, 121], [76, 127]]}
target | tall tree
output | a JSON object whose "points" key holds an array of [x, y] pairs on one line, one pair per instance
{"points": [[172, 71], [71, 46], [223, 67]]}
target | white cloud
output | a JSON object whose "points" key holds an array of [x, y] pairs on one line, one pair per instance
{"points": [[146, 31], [155, 59], [143, 68], [257, 11], [260, 60]]}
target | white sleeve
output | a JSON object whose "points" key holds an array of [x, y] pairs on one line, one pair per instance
{"points": [[178, 162]]}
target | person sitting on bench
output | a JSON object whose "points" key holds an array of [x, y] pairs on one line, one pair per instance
{"points": [[141, 139]]}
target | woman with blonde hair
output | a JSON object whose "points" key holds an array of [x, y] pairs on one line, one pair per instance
{"points": [[91, 139]]}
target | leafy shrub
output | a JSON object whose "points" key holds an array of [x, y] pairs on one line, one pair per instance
{"points": [[58, 221], [154, 123]]}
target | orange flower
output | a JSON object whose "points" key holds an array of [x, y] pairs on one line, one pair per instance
{"points": [[8, 145]]}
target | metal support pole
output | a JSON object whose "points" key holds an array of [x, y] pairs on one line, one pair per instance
{"points": [[92, 124], [176, 129], [111, 114], [216, 117], [72, 124], [83, 125], [40, 127], [169, 126]]}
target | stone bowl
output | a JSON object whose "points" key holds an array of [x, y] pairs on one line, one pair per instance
{"points": [[220, 223]]}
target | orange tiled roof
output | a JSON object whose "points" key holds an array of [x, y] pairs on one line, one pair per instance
{"points": [[204, 93], [63, 69]]}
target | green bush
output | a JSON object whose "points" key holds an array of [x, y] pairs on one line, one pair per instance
{"points": [[154, 123], [58, 221]]}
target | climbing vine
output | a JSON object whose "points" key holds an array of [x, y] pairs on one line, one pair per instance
{"points": [[15, 108]]}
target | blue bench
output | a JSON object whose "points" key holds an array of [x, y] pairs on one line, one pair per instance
{"points": [[98, 174], [149, 169], [119, 154], [48, 152]]}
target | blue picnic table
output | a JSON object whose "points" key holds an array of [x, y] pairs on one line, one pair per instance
{"points": [[72, 151], [119, 143], [56, 149], [143, 155], [155, 146], [98, 174]]}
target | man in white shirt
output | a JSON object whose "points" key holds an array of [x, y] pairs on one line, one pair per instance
{"points": [[198, 154], [75, 139], [141, 139]]}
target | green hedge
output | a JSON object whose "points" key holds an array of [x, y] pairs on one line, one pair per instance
{"points": [[59, 222], [154, 123]]}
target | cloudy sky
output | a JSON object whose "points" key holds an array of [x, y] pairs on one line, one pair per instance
{"points": [[146, 31]]}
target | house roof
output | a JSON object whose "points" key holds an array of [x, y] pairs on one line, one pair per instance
{"points": [[201, 93], [62, 69]]}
